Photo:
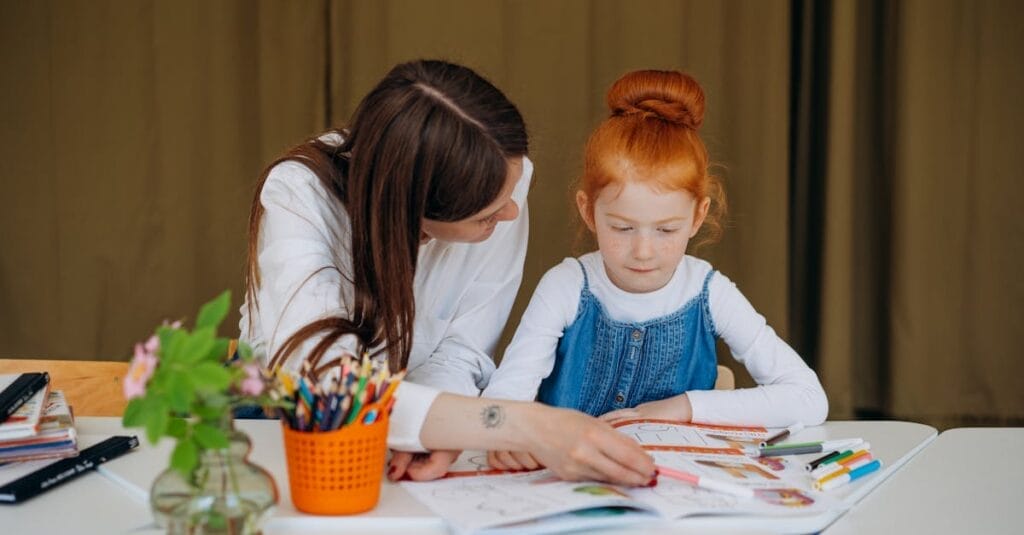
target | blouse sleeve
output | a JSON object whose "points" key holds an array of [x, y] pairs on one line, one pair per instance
{"points": [[301, 280], [788, 390]]}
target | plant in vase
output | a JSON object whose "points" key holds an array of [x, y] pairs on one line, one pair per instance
{"points": [[185, 385]]}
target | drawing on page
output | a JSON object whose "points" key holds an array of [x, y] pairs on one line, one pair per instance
{"points": [[680, 493], [786, 497], [600, 490], [738, 470], [489, 498]]}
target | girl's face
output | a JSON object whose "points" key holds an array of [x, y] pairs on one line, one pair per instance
{"points": [[642, 232], [479, 226]]}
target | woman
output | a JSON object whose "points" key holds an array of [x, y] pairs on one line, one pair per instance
{"points": [[387, 235]]}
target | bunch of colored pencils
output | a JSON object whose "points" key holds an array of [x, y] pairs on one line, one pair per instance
{"points": [[356, 391]]}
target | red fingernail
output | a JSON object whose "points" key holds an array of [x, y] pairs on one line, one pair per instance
{"points": [[653, 482]]}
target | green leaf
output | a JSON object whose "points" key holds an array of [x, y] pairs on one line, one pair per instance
{"points": [[210, 437], [211, 376], [207, 413], [212, 313], [185, 457], [173, 350], [133, 413], [197, 346], [179, 392], [156, 419], [177, 428], [220, 349]]}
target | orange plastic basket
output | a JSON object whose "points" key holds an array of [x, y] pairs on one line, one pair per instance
{"points": [[336, 472]]}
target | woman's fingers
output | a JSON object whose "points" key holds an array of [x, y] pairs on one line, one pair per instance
{"points": [[399, 464], [433, 466], [494, 462], [525, 460]]}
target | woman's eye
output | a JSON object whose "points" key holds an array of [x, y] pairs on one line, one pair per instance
{"points": [[621, 229], [668, 230]]}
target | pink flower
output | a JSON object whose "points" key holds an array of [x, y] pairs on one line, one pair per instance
{"points": [[141, 368], [253, 383]]}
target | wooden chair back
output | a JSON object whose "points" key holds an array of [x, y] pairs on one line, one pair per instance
{"points": [[92, 387], [726, 380]]}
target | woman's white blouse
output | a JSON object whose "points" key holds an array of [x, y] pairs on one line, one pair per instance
{"points": [[464, 291]]}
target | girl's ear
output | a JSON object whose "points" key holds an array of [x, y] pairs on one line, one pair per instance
{"points": [[583, 204], [701, 213]]}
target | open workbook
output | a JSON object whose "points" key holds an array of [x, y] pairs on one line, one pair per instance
{"points": [[476, 499]]}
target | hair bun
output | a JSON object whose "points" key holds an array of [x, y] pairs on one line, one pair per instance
{"points": [[667, 95]]}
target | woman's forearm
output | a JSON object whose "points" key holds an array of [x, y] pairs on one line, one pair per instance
{"points": [[470, 423]]}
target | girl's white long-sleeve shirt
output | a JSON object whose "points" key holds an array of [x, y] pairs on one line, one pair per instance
{"points": [[463, 292], [788, 390]]}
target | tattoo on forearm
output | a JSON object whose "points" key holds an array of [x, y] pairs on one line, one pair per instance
{"points": [[492, 416]]}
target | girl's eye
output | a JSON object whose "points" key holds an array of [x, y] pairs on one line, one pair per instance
{"points": [[621, 229], [668, 230]]}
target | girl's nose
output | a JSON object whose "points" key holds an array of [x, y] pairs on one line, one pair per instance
{"points": [[642, 248]]}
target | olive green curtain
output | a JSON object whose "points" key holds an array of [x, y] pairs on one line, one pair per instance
{"points": [[131, 137], [924, 247], [134, 131]]}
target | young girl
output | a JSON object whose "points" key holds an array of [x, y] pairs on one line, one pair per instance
{"points": [[629, 331]]}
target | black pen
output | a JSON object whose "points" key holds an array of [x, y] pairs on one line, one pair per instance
{"points": [[20, 391], [65, 470]]}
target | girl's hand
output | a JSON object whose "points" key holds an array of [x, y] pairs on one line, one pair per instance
{"points": [[512, 460], [674, 408], [421, 466]]}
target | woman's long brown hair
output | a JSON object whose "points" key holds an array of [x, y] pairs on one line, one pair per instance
{"points": [[431, 140]]}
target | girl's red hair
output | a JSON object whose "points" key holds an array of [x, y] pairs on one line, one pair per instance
{"points": [[651, 134]]}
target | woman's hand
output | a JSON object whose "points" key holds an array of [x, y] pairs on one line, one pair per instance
{"points": [[512, 460], [674, 408], [421, 466], [576, 447]]}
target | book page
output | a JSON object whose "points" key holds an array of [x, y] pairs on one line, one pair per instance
{"points": [[475, 497]]}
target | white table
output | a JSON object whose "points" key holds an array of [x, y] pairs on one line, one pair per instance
{"points": [[115, 501], [967, 481]]}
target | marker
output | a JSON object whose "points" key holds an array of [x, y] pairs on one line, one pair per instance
{"points": [[853, 475], [791, 430], [833, 470], [839, 458], [67, 469], [706, 483], [823, 459], [803, 447]]}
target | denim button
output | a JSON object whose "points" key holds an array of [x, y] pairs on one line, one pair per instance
{"points": [[637, 334], [619, 398]]}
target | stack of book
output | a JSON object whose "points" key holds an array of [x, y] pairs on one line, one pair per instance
{"points": [[35, 422]]}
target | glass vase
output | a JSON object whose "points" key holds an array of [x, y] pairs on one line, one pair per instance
{"points": [[228, 494]]}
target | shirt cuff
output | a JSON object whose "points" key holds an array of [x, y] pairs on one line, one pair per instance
{"points": [[701, 407], [412, 402]]}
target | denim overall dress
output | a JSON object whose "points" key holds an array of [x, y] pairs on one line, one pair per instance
{"points": [[602, 364]]}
